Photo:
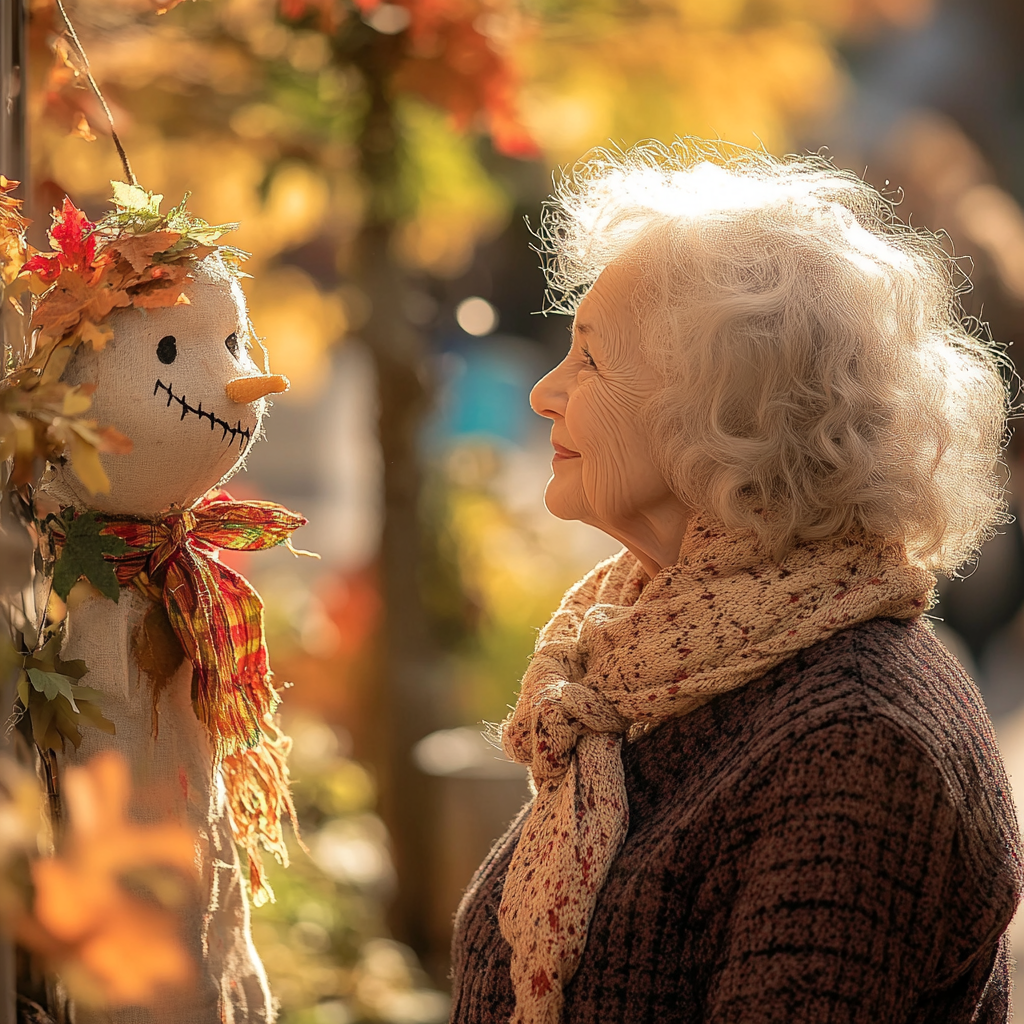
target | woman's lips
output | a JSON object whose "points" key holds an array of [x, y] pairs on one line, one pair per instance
{"points": [[562, 453]]}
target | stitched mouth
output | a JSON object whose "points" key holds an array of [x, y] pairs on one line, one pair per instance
{"points": [[237, 432]]}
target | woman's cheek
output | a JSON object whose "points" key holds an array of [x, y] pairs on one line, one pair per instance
{"points": [[607, 441]]}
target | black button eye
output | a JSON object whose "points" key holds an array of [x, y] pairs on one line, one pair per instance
{"points": [[231, 342], [167, 349]]}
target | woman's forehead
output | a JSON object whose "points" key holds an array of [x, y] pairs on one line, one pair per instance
{"points": [[607, 304]]}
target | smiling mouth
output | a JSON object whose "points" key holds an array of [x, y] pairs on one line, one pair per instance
{"points": [[242, 434]]}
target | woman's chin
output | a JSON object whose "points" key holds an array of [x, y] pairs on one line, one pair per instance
{"points": [[565, 502]]}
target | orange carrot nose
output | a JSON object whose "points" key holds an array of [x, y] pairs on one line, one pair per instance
{"points": [[251, 389]]}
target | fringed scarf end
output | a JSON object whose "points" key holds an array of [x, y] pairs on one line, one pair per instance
{"points": [[259, 796]]}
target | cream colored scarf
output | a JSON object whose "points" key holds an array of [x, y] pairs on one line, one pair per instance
{"points": [[622, 654]]}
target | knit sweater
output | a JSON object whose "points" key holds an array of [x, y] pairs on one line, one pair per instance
{"points": [[832, 842]]}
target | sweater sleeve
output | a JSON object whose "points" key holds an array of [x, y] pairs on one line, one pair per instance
{"points": [[846, 848]]}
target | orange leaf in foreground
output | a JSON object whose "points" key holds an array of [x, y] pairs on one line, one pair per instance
{"points": [[111, 946]]}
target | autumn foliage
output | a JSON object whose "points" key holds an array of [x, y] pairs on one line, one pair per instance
{"points": [[112, 946]]}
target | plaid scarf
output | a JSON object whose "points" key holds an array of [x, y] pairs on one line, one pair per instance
{"points": [[217, 618]]}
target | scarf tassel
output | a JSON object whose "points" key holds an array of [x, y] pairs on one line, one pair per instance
{"points": [[259, 796]]}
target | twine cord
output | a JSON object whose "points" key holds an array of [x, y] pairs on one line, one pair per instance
{"points": [[129, 173]]}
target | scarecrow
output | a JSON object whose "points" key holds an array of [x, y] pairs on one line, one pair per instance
{"points": [[144, 641]]}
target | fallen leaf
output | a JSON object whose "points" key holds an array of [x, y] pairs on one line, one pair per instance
{"points": [[82, 130]]}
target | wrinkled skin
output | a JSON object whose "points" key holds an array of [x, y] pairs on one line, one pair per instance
{"points": [[602, 472]]}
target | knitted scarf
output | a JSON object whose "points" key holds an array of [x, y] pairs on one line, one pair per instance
{"points": [[624, 653], [217, 617]]}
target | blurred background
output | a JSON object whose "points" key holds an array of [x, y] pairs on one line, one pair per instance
{"points": [[386, 161]]}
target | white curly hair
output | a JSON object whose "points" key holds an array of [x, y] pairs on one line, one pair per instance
{"points": [[819, 371]]}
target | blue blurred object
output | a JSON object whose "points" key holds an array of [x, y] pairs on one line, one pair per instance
{"points": [[485, 390]]}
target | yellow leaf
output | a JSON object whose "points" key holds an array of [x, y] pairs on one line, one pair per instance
{"points": [[24, 435], [85, 461], [67, 56], [56, 364], [6, 438], [82, 130], [96, 334], [75, 402]]}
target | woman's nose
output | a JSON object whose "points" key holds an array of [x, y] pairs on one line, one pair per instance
{"points": [[548, 396], [244, 390]]}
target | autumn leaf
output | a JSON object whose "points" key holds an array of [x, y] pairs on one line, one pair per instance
{"points": [[139, 249], [112, 947], [58, 720], [109, 439], [82, 553], [55, 365], [50, 684], [82, 130], [62, 306], [96, 335], [57, 704], [136, 200], [85, 462], [72, 238]]}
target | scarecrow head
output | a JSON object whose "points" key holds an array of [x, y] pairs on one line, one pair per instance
{"points": [[146, 312]]}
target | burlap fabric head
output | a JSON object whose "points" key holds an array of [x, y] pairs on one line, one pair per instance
{"points": [[623, 653]]}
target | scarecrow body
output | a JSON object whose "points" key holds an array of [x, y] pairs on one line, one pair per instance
{"points": [[163, 381]]}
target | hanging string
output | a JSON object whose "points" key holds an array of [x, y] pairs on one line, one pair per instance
{"points": [[129, 173]]}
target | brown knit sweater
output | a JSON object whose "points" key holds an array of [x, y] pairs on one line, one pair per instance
{"points": [[833, 842]]}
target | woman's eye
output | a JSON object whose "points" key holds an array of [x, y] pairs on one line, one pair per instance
{"points": [[231, 342], [167, 349], [589, 358]]}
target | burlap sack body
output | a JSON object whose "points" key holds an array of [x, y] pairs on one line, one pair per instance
{"points": [[187, 437]]}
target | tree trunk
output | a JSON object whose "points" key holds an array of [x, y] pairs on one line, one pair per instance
{"points": [[406, 700]]}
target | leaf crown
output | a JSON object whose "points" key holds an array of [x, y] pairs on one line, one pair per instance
{"points": [[133, 256]]}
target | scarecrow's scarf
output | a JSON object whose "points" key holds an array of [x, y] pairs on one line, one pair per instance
{"points": [[218, 620]]}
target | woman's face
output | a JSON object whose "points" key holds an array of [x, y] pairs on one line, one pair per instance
{"points": [[602, 470]]}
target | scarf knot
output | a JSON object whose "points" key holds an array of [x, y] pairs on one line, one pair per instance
{"points": [[619, 656], [182, 525], [562, 712]]}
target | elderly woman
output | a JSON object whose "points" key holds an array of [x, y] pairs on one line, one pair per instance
{"points": [[764, 790]]}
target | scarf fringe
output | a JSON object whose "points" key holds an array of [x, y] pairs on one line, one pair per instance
{"points": [[259, 796]]}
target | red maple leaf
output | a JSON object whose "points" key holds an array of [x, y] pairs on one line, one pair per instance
{"points": [[73, 243]]}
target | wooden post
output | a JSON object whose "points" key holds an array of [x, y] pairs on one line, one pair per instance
{"points": [[13, 159], [14, 165]]}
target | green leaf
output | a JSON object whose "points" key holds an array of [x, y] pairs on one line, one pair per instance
{"points": [[84, 547], [58, 721], [50, 684], [134, 199], [91, 715], [73, 669]]}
